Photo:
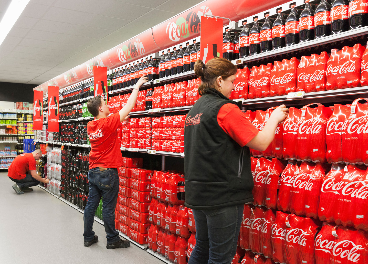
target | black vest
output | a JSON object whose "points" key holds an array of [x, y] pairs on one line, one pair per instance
{"points": [[217, 169]]}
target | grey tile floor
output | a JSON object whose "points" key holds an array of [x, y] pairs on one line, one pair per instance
{"points": [[37, 228]]}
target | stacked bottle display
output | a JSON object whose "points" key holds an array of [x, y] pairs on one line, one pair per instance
{"points": [[74, 133], [74, 176], [54, 171], [299, 24], [172, 233]]}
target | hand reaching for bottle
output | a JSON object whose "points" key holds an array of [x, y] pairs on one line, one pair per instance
{"points": [[280, 113]]}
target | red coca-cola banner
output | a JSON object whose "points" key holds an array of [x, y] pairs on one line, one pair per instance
{"points": [[37, 110], [53, 112], [100, 81], [211, 38], [184, 26]]}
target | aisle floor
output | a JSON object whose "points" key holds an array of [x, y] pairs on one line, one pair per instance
{"points": [[37, 228]]}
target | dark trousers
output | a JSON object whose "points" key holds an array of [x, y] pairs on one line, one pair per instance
{"points": [[103, 184], [28, 181], [217, 233]]}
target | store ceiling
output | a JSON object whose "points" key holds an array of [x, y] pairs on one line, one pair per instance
{"points": [[53, 36]]}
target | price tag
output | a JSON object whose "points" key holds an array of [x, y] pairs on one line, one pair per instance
{"points": [[150, 151], [133, 149], [239, 61], [122, 148], [62, 147], [295, 95], [156, 81], [155, 110]]}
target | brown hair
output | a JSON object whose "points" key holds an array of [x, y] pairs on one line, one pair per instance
{"points": [[211, 70], [93, 105]]}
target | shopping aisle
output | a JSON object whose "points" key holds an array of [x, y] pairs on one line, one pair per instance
{"points": [[37, 228]]}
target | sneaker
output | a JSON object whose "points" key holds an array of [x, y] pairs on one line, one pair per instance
{"points": [[27, 189], [118, 244], [17, 189], [90, 243]]}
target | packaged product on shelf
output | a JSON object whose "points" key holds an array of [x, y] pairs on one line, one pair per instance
{"points": [[358, 13], [259, 81], [265, 36], [244, 41], [334, 131], [354, 135], [312, 73], [364, 68], [254, 40], [284, 77], [227, 46], [292, 27], [343, 67], [278, 31], [306, 23], [311, 139], [241, 84], [322, 19], [340, 16], [349, 245]]}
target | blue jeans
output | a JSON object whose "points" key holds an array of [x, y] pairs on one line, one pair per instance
{"points": [[28, 181], [103, 184], [217, 232]]}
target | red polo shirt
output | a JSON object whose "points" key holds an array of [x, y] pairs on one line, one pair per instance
{"points": [[21, 165], [105, 146]]}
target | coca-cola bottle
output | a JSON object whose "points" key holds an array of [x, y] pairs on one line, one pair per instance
{"points": [[254, 42], [149, 99], [186, 58], [161, 67], [322, 19], [168, 64], [306, 23], [292, 27], [358, 13], [173, 61], [227, 46], [278, 31], [236, 46], [265, 35], [193, 55], [244, 41], [340, 16], [180, 60]]}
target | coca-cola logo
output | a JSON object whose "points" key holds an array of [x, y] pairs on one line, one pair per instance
{"points": [[266, 34], [356, 189], [263, 177], [322, 18], [259, 224], [246, 222], [347, 67], [254, 38], [290, 127], [310, 127], [296, 236], [260, 82], [287, 78], [317, 75], [357, 125], [303, 181], [244, 41], [364, 66], [292, 27], [340, 12], [277, 233], [342, 249], [278, 31], [306, 23], [334, 127]]}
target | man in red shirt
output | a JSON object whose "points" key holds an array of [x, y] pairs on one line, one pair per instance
{"points": [[23, 172], [104, 159]]}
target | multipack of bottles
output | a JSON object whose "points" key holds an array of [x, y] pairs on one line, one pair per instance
{"points": [[74, 133], [77, 91]]}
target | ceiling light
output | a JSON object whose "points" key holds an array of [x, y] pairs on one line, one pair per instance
{"points": [[11, 16]]}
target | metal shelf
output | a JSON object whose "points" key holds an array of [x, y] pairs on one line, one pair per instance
{"points": [[63, 144], [4, 168], [76, 119], [162, 110], [77, 101], [25, 121], [8, 118], [8, 134], [302, 95], [304, 45], [8, 156], [154, 152], [8, 142]]}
